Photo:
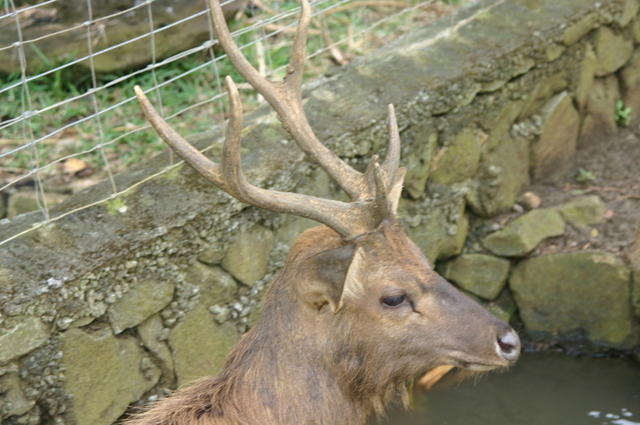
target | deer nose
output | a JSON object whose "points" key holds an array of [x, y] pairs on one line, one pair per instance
{"points": [[508, 345]]}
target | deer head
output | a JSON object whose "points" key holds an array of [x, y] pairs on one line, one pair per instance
{"points": [[364, 284]]}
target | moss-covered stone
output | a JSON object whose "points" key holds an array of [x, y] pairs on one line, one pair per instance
{"points": [[634, 260], [199, 344], [498, 122], [153, 336], [504, 173], [458, 160], [599, 120], [551, 153], [28, 334], [635, 30], [630, 86], [583, 211], [14, 402], [24, 201], [566, 295], [424, 140], [586, 76], [543, 90], [218, 284], [629, 11], [439, 231], [143, 299], [482, 275], [612, 51], [247, 257], [522, 235], [576, 30], [103, 375], [292, 228], [212, 255], [504, 307]]}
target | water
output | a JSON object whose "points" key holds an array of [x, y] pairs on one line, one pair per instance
{"points": [[542, 389]]}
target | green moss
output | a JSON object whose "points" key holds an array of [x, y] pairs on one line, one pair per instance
{"points": [[116, 206]]}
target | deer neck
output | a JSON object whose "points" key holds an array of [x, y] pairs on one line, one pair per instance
{"points": [[285, 367]]}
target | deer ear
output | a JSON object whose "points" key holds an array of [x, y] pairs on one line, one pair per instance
{"points": [[326, 277]]}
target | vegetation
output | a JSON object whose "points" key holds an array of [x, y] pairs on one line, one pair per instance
{"points": [[623, 113], [584, 176], [341, 33]]}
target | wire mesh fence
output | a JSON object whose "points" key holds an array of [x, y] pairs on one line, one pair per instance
{"points": [[68, 117]]}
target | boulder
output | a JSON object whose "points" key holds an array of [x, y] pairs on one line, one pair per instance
{"points": [[67, 44], [198, 343], [247, 258], [458, 160], [424, 140], [629, 11], [116, 376], [630, 86], [575, 295], [217, 282], [583, 211], [599, 118], [152, 334], [634, 259], [211, 255], [24, 201], [482, 275], [542, 92], [504, 173], [291, 228], [578, 29], [14, 402], [551, 153], [635, 30], [522, 235], [28, 334], [586, 74], [439, 231], [612, 51], [144, 298], [504, 307]]}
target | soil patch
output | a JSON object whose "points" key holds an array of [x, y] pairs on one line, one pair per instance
{"points": [[610, 170]]}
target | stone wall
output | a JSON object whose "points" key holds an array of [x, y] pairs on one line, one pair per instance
{"points": [[130, 298]]}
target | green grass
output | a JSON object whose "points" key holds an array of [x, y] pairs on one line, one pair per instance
{"points": [[124, 149]]}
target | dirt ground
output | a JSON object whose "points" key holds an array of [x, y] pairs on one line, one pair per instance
{"points": [[610, 170]]}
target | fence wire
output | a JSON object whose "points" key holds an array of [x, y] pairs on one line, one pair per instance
{"points": [[69, 122]]}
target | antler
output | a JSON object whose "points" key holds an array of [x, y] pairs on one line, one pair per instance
{"points": [[375, 193]]}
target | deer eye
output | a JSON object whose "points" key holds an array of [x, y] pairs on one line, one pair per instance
{"points": [[393, 301]]}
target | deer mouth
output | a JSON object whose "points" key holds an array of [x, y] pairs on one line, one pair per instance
{"points": [[472, 363]]}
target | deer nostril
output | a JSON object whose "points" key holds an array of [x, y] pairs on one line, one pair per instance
{"points": [[509, 345]]}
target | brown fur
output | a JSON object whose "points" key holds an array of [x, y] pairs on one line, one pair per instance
{"points": [[305, 364]]}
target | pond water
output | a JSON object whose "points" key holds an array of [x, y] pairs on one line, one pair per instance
{"points": [[542, 389]]}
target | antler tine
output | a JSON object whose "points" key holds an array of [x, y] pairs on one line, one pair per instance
{"points": [[209, 169], [348, 219], [381, 199], [296, 64], [288, 103], [392, 160]]}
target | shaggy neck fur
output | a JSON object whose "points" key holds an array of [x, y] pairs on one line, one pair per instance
{"points": [[297, 366]]}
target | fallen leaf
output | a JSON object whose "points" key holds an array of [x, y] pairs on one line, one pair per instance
{"points": [[74, 165]]}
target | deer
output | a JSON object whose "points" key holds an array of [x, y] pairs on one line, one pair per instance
{"points": [[357, 311]]}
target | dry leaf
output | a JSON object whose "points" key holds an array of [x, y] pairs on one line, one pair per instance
{"points": [[74, 165]]}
